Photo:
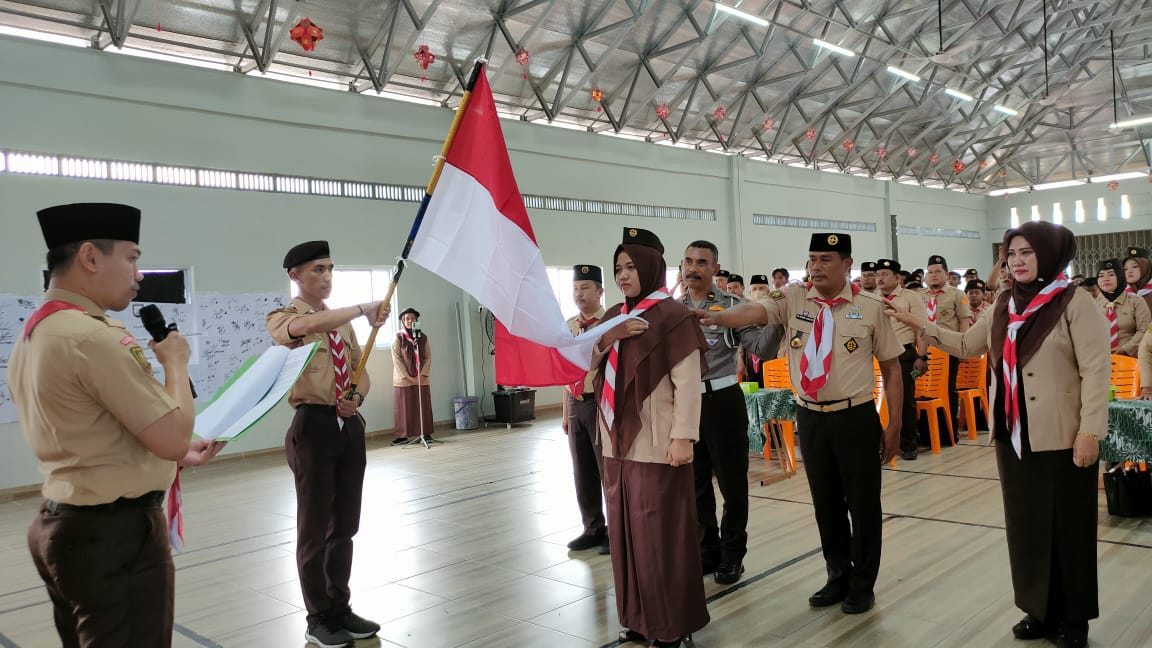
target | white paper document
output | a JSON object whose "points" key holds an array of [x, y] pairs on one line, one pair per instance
{"points": [[255, 389]]}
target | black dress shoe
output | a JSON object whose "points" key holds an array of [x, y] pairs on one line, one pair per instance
{"points": [[728, 573], [1072, 635], [858, 603], [585, 541], [830, 594], [1032, 628], [909, 455], [605, 546]]}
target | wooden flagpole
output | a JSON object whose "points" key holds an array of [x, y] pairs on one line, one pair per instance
{"points": [[477, 70]]}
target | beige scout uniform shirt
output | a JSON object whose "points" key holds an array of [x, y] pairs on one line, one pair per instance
{"points": [[574, 324], [860, 330], [84, 392], [400, 375], [671, 411], [317, 385], [1132, 317], [906, 301], [951, 307], [1145, 357]]}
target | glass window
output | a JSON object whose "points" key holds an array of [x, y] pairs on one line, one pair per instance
{"points": [[352, 286]]}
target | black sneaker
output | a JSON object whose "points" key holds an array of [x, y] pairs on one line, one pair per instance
{"points": [[328, 636], [584, 541], [358, 626]]}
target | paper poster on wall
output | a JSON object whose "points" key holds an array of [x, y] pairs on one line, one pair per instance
{"points": [[222, 329]]}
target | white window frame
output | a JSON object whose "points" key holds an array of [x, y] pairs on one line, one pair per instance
{"points": [[379, 279]]}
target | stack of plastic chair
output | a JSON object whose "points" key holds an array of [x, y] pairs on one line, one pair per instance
{"points": [[1126, 377], [972, 386], [932, 396], [776, 377], [878, 396]]}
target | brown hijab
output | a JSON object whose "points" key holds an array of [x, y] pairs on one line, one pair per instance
{"points": [[1055, 247], [1145, 272], [673, 334]]}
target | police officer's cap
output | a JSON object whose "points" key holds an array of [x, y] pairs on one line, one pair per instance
{"points": [[759, 280], [587, 272], [306, 252], [936, 258], [637, 236], [735, 279], [868, 266], [975, 284], [1108, 264], [77, 222], [888, 264], [831, 242], [1135, 253]]}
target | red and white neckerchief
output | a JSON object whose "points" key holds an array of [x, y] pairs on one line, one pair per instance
{"points": [[817, 359], [973, 316], [932, 304], [175, 515], [577, 388], [415, 349], [1012, 398], [608, 393], [343, 379], [42, 313], [1141, 292], [1113, 325]]}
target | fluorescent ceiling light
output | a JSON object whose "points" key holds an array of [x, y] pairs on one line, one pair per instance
{"points": [[959, 95], [1005, 192], [732, 11], [1006, 110], [1132, 122], [45, 36], [1118, 176], [902, 73], [1059, 185], [832, 48]]}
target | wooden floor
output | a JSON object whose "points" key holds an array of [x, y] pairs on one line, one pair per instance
{"points": [[463, 545]]}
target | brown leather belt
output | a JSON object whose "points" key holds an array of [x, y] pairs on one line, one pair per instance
{"points": [[833, 406]]}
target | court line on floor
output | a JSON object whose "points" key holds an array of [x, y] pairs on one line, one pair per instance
{"points": [[203, 641]]}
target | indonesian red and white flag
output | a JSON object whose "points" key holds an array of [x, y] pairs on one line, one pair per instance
{"points": [[476, 235]]}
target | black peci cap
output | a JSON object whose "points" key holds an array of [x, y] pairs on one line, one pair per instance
{"points": [[587, 273], [636, 236], [76, 222], [831, 242]]}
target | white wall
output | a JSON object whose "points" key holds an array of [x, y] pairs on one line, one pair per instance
{"points": [[1139, 192], [82, 102]]}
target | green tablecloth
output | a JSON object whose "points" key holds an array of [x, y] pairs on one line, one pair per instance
{"points": [[763, 406], [1129, 432]]}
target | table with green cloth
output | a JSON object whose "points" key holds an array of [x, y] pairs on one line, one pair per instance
{"points": [[763, 406], [1129, 431]]}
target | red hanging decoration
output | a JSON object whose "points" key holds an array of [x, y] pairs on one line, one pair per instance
{"points": [[662, 111], [424, 57], [720, 113], [983, 165], [933, 158], [881, 153], [1003, 173], [307, 34], [597, 95], [1113, 185], [912, 152], [769, 123], [522, 59], [810, 133], [957, 166], [848, 145]]}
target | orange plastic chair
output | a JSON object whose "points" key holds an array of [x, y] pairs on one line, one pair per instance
{"points": [[878, 396], [776, 376], [933, 388], [972, 386], [1126, 377]]}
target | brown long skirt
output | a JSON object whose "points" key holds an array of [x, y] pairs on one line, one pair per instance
{"points": [[408, 410], [655, 551]]}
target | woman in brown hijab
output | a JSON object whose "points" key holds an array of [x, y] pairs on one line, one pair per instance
{"points": [[1138, 274], [648, 395], [411, 366], [1047, 345]]}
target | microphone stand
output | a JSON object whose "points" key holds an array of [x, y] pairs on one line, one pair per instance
{"points": [[423, 439]]}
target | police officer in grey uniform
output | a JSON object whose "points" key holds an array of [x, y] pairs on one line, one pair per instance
{"points": [[723, 446]]}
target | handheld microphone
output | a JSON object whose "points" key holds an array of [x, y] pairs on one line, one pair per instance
{"points": [[153, 321], [416, 330]]}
